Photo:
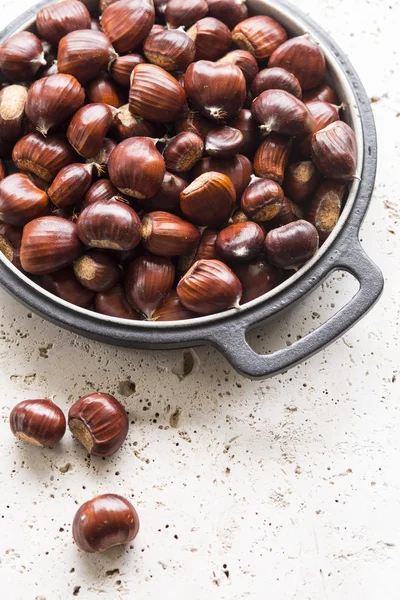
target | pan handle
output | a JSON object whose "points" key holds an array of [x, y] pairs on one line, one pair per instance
{"points": [[231, 341]]}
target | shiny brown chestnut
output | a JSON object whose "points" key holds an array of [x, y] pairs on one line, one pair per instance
{"points": [[171, 49], [244, 60], [105, 521], [238, 169], [282, 113], [65, 285], [302, 57], [114, 303], [136, 168], [38, 422], [326, 206], [289, 212], [301, 179], [99, 422], [102, 157], [240, 242], [48, 244], [21, 56], [334, 151], [85, 54], [21, 201], [127, 125], [272, 157], [172, 309], [212, 38], [323, 114], [184, 14], [122, 67], [257, 278], [245, 123], [276, 79], [155, 95], [52, 100], [206, 249], [209, 200], [43, 157], [259, 35], [209, 287], [168, 197], [12, 112], [290, 246], [148, 281], [109, 224], [183, 151], [71, 184], [56, 20], [128, 23], [104, 90], [194, 123], [97, 271], [224, 142], [262, 200], [324, 93], [88, 128], [165, 234], [102, 189], [230, 12], [216, 90]]}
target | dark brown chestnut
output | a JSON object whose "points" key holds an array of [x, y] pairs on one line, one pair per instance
{"points": [[71, 184], [245, 123], [237, 169], [259, 35], [283, 113], [43, 157], [103, 522], [212, 38], [104, 90], [224, 142], [206, 249], [302, 57], [21, 201], [99, 422], [3, 170], [168, 198], [48, 244], [103, 189], [85, 54], [21, 56], [88, 128], [97, 271], [184, 14], [230, 12], [160, 6], [244, 60], [171, 49], [12, 112], [209, 287], [122, 67], [240, 242], [272, 157], [38, 422], [172, 309], [262, 200], [326, 206], [257, 278], [95, 24], [127, 125], [109, 224], [102, 157], [334, 151], [194, 123], [289, 212], [301, 179], [183, 151], [128, 23], [56, 20], [324, 93], [114, 303], [276, 79], [323, 114], [290, 246], [209, 200], [65, 285], [165, 234], [148, 281]]}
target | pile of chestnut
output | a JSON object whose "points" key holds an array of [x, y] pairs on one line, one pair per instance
{"points": [[168, 159]]}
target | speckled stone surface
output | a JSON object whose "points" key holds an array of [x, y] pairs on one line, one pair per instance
{"points": [[287, 489]]}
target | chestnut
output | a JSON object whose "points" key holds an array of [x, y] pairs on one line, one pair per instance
{"points": [[172, 309], [10, 243], [324, 93], [259, 35], [109, 224], [148, 281], [194, 123], [48, 244], [240, 242], [257, 278], [21, 56], [209, 200], [102, 189], [136, 168], [12, 112], [56, 20], [262, 200], [128, 23], [276, 79], [206, 250], [99, 422], [184, 14], [302, 57], [105, 521], [71, 184], [43, 157], [244, 60], [212, 38], [155, 95], [122, 67], [127, 125], [104, 90], [114, 303], [102, 157], [165, 234], [283, 113], [272, 157], [183, 151], [326, 206], [85, 54], [88, 128], [238, 169], [216, 90], [323, 114], [239, 217], [224, 142], [334, 151], [52, 100], [171, 49], [209, 287], [230, 12], [38, 422], [21, 201], [245, 123], [97, 271], [290, 246], [65, 285], [168, 197], [301, 179], [289, 212]]}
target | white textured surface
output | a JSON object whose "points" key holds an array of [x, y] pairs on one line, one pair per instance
{"points": [[285, 489]]}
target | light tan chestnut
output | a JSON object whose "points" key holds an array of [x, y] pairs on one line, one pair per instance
{"points": [[12, 112], [283, 113], [21, 201], [334, 151], [272, 157], [71, 184], [165, 234], [259, 35], [127, 23], [302, 57], [21, 56], [209, 200], [148, 281], [171, 49], [56, 20], [85, 54], [89, 127], [43, 157]]}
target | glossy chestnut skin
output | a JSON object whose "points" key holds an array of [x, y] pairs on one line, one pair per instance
{"points": [[38, 422], [237, 169], [230, 12], [209, 200], [272, 157], [323, 114], [168, 198], [165, 234], [194, 123], [240, 242], [276, 78], [209, 287], [245, 123], [184, 14], [114, 303], [105, 521], [301, 179], [21, 201], [85, 54], [183, 151], [290, 246], [88, 128], [206, 249], [71, 184], [102, 189], [282, 113], [65, 285], [334, 151], [257, 277], [127, 125], [122, 67], [109, 224], [259, 35], [48, 244], [43, 157], [104, 90], [12, 112], [262, 200], [21, 56], [224, 142], [326, 206], [128, 23], [148, 281], [324, 93], [102, 157], [244, 60], [136, 168], [302, 57], [289, 212], [97, 271], [216, 90], [56, 20], [172, 309], [171, 49], [212, 38], [155, 95]]}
